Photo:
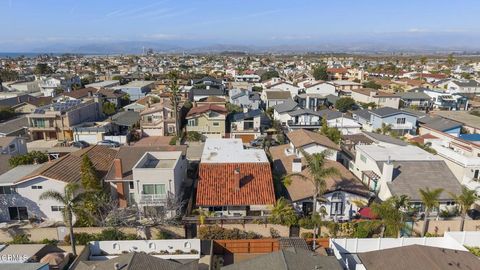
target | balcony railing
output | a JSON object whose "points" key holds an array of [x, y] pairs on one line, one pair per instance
{"points": [[153, 198], [303, 123], [402, 126]]}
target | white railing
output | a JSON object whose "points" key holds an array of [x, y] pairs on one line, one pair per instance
{"points": [[402, 126], [153, 198]]}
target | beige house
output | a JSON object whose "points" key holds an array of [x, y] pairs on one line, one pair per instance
{"points": [[158, 119], [381, 99], [208, 120], [55, 121]]}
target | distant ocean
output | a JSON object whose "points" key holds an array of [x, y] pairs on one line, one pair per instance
{"points": [[26, 54]]}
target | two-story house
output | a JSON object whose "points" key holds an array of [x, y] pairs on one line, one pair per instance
{"points": [[151, 179], [320, 87], [379, 98], [22, 186], [399, 121], [419, 100], [128, 173], [404, 170], [136, 89], [247, 125], [233, 181], [158, 119], [244, 98], [274, 97], [55, 121], [208, 120], [341, 189], [285, 86]]}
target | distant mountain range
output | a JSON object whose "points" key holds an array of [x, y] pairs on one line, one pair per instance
{"points": [[416, 42]]}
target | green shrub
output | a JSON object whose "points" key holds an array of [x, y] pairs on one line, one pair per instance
{"points": [[20, 239], [80, 238], [193, 136], [307, 235], [173, 141], [160, 235], [47, 241], [218, 233]]}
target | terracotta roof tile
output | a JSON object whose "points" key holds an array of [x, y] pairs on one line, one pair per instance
{"points": [[216, 184]]}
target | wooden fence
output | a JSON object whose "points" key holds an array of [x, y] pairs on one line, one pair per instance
{"points": [[245, 246]]}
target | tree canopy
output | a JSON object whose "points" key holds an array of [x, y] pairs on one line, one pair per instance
{"points": [[372, 84], [344, 104], [320, 72], [42, 69], [269, 74], [30, 158]]}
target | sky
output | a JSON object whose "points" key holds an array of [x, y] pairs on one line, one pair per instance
{"points": [[33, 23]]}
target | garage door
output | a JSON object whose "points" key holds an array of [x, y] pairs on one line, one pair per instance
{"points": [[89, 138], [246, 138], [153, 131]]}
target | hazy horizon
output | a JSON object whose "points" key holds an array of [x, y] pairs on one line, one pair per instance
{"points": [[346, 25]]}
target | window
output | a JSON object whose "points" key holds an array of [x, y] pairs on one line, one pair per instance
{"points": [[18, 213], [57, 208], [401, 121], [475, 175], [6, 190], [192, 122], [12, 147], [131, 185], [363, 158], [216, 124], [37, 187], [154, 189]]}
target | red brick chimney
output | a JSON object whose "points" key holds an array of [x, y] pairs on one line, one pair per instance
{"points": [[117, 166], [237, 178]]}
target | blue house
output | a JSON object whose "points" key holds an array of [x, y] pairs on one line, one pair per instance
{"points": [[399, 121], [136, 89]]}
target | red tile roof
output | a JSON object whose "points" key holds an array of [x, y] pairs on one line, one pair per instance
{"points": [[217, 187], [206, 108]]}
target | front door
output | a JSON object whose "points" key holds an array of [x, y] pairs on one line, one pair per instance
{"points": [[18, 213], [307, 208]]}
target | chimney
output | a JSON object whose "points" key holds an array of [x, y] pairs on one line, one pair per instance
{"points": [[117, 166], [237, 179], [387, 172], [18, 99], [207, 87], [297, 165], [90, 93]]}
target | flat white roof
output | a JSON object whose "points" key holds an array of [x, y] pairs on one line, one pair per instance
{"points": [[396, 153], [230, 151], [102, 84]]}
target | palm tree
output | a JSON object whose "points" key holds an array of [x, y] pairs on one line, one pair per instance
{"points": [[402, 204], [318, 172], [283, 213], [465, 201], [430, 199], [71, 199], [386, 129], [391, 216], [174, 91]]}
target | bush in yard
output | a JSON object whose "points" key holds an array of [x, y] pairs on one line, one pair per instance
{"points": [[20, 239], [47, 241], [173, 141], [80, 238], [193, 136], [307, 235], [218, 233]]}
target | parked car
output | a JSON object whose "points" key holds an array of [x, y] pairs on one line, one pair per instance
{"points": [[109, 143], [80, 144]]}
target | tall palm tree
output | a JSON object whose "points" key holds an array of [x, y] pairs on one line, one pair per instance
{"points": [[430, 199], [71, 199], [283, 213], [318, 172], [465, 201], [391, 216], [175, 97], [402, 204]]}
